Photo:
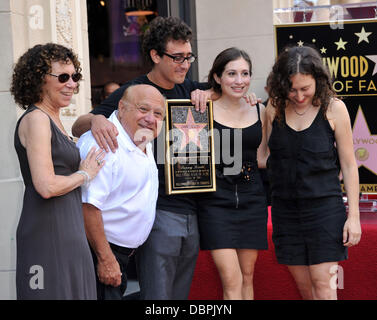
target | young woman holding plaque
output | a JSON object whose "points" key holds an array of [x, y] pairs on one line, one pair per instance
{"points": [[233, 220], [310, 140]]}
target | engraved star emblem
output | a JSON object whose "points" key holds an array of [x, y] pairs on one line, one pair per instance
{"points": [[364, 143], [374, 59], [341, 44], [363, 36], [190, 130]]}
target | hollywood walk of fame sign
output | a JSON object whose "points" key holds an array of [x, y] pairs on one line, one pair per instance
{"points": [[350, 53], [190, 157]]}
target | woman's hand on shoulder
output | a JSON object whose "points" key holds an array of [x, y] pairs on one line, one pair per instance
{"points": [[93, 162], [251, 98]]}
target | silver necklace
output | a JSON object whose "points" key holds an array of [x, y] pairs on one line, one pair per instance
{"points": [[301, 114]]}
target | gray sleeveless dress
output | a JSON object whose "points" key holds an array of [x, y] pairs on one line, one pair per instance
{"points": [[53, 255]]}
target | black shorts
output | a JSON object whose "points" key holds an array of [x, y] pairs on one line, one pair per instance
{"points": [[308, 231]]}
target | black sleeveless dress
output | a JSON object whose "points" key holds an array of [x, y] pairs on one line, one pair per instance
{"points": [[307, 211], [235, 216], [53, 256]]}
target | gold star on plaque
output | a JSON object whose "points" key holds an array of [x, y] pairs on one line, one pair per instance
{"points": [[363, 36], [190, 130], [300, 43], [323, 50], [341, 44]]}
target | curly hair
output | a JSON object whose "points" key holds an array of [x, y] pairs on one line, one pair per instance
{"points": [[222, 59], [31, 68], [160, 31], [305, 60]]}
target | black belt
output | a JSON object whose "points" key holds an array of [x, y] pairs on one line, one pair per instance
{"points": [[246, 175], [123, 250]]}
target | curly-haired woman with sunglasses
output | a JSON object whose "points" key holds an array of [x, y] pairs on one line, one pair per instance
{"points": [[53, 256]]}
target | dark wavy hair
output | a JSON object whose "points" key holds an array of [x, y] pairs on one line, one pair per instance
{"points": [[305, 60], [222, 59], [160, 31], [31, 68]]}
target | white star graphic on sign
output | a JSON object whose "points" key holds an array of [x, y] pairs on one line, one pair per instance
{"points": [[323, 50], [341, 44], [300, 43], [363, 36], [374, 59]]}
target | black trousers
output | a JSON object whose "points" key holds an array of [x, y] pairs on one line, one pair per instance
{"points": [[108, 292]]}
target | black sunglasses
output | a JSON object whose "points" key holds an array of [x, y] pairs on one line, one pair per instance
{"points": [[181, 59], [64, 77]]}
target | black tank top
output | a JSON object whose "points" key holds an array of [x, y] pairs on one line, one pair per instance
{"points": [[228, 149], [303, 164]]}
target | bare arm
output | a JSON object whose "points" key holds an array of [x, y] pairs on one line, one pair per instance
{"points": [[108, 268], [339, 117], [267, 119], [270, 116], [35, 135], [82, 125], [263, 151]]}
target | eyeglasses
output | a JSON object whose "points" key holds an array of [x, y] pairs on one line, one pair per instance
{"points": [[64, 77], [181, 59]]}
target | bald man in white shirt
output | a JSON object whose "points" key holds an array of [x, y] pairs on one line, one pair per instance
{"points": [[119, 205]]}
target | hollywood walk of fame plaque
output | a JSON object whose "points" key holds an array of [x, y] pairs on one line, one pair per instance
{"points": [[349, 51], [190, 156]]}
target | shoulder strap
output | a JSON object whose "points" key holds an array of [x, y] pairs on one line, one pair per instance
{"points": [[29, 109], [258, 110]]}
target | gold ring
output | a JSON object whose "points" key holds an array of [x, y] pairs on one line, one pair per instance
{"points": [[99, 162]]}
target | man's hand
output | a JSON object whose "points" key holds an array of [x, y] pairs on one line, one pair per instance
{"points": [[108, 271], [252, 99], [199, 99], [104, 132]]}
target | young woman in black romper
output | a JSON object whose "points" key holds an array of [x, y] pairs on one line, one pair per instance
{"points": [[310, 140], [233, 220]]}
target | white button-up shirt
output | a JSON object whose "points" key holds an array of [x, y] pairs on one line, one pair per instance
{"points": [[125, 189]]}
